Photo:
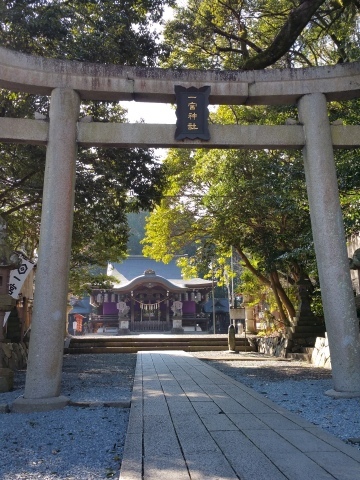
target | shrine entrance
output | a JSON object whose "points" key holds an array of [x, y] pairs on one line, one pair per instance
{"points": [[70, 83]]}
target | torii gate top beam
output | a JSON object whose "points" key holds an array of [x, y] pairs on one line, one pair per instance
{"points": [[26, 73]]}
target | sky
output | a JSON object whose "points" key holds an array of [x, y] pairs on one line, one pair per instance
{"points": [[150, 112]]}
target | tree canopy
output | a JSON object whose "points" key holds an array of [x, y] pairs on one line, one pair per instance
{"points": [[103, 31], [255, 34], [100, 31], [254, 201]]}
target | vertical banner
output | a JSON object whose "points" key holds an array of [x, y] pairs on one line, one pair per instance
{"points": [[18, 276], [192, 113]]}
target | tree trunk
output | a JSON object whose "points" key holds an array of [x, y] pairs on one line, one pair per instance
{"points": [[283, 316], [275, 284], [298, 18]]}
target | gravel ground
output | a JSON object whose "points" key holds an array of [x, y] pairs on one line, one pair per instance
{"points": [[82, 443], [86, 443]]}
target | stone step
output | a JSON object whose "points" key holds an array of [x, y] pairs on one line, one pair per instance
{"points": [[303, 357], [133, 345], [307, 350], [201, 348], [304, 354], [310, 320], [153, 344], [313, 330]]}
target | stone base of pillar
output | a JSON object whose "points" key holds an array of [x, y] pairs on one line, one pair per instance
{"points": [[250, 325], [6, 380], [177, 326], [334, 394], [124, 331], [124, 327], [28, 405]]}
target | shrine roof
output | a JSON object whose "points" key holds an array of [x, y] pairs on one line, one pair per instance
{"points": [[149, 279], [137, 269]]}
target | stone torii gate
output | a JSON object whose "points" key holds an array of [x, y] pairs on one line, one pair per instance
{"points": [[68, 83]]}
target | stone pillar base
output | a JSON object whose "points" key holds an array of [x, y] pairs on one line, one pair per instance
{"points": [[124, 331], [6, 380], [28, 405], [177, 326], [124, 326], [335, 394], [177, 330], [250, 326]]}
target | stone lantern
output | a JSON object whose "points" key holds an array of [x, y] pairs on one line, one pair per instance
{"points": [[8, 261]]}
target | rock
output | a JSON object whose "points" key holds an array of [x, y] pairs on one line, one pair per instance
{"points": [[354, 440], [6, 380], [40, 116], [7, 348]]}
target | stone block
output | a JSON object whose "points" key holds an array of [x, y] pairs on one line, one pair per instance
{"points": [[7, 348], [28, 405], [6, 380]]}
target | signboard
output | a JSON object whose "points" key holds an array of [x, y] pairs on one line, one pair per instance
{"points": [[192, 113], [18, 276]]}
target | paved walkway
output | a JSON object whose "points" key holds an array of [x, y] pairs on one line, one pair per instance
{"points": [[190, 421]]}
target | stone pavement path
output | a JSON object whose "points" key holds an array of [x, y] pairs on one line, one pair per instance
{"points": [[190, 421]]}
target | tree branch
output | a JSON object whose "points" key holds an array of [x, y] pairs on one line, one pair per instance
{"points": [[252, 269], [298, 19], [20, 206], [17, 184]]}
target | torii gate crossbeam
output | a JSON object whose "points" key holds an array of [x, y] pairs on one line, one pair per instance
{"points": [[70, 82]]}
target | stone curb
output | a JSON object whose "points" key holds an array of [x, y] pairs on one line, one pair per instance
{"points": [[111, 404]]}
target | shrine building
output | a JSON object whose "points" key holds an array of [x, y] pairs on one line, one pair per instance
{"points": [[150, 296]]}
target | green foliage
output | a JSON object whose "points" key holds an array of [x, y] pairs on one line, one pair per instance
{"points": [[251, 285], [316, 302], [106, 31], [254, 201], [84, 278], [254, 34], [103, 31], [103, 179]]}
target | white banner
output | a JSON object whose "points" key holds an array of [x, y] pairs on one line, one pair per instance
{"points": [[18, 276], [6, 316]]}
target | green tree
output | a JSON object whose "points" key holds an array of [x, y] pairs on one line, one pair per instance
{"points": [[255, 201], [136, 222], [255, 34], [99, 31], [248, 201]]}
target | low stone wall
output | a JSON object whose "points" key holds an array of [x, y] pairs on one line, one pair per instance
{"points": [[276, 346], [13, 355], [319, 355]]}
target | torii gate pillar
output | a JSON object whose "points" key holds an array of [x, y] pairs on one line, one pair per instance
{"points": [[329, 240], [43, 376]]}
